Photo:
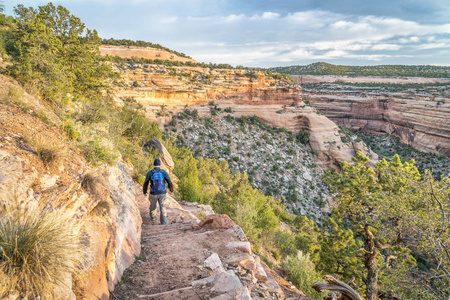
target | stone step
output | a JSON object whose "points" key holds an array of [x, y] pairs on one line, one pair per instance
{"points": [[181, 293], [172, 237]]}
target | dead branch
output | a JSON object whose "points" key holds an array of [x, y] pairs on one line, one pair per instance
{"points": [[388, 260], [335, 285], [439, 202]]}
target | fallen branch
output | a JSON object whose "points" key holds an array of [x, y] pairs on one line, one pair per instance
{"points": [[335, 285]]}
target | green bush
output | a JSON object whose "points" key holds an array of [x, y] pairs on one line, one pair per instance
{"points": [[189, 184], [95, 152], [69, 128], [302, 273], [302, 137], [38, 251]]}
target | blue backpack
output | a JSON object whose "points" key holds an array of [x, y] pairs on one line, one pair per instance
{"points": [[158, 186]]}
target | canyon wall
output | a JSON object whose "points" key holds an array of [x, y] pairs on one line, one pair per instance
{"points": [[143, 52], [165, 90], [421, 120]]}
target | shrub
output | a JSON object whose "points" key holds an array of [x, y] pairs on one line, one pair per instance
{"points": [[94, 183], [97, 153], [302, 273], [69, 128], [42, 115], [13, 95], [302, 137], [38, 251]]}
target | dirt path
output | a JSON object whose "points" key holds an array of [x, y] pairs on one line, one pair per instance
{"points": [[182, 261]]}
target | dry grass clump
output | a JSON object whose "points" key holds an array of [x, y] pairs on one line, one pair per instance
{"points": [[38, 250], [49, 151], [94, 183]]}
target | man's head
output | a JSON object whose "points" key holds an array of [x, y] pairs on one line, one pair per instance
{"points": [[157, 162]]}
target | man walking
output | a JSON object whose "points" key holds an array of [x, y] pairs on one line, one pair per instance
{"points": [[157, 177]]}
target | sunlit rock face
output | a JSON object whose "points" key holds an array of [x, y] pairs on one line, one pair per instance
{"points": [[422, 121], [164, 91]]}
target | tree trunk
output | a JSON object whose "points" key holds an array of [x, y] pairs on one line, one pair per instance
{"points": [[370, 262]]}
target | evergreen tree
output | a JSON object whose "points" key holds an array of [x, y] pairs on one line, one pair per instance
{"points": [[396, 211], [189, 184], [55, 54]]}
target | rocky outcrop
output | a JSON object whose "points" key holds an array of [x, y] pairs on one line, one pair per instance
{"points": [[143, 52], [166, 159], [164, 91], [421, 120], [100, 201], [156, 85]]}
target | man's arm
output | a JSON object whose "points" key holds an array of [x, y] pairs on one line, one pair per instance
{"points": [[146, 182], [169, 182]]}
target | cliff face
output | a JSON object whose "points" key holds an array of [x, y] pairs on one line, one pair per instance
{"points": [[421, 120], [162, 89], [144, 52], [177, 86], [100, 201]]}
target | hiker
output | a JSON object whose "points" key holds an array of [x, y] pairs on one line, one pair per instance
{"points": [[156, 178]]}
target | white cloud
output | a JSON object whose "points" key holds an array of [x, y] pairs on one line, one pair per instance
{"points": [[381, 47], [268, 15], [433, 46]]}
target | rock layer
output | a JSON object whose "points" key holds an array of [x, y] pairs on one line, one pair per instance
{"points": [[100, 201], [422, 121], [164, 91]]}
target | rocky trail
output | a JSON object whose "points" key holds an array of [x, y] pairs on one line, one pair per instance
{"points": [[186, 259]]}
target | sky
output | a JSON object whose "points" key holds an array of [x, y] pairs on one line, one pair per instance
{"points": [[269, 33]]}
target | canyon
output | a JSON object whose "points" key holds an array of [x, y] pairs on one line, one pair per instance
{"points": [[166, 90], [418, 116]]}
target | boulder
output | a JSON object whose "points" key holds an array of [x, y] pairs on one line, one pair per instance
{"points": [[260, 273], [239, 294], [213, 262], [216, 221], [237, 231], [226, 282], [240, 246], [166, 158]]}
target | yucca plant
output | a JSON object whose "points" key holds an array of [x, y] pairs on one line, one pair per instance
{"points": [[38, 250]]}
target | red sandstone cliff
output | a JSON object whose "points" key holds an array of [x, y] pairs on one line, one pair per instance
{"points": [[421, 120], [161, 89], [144, 52]]}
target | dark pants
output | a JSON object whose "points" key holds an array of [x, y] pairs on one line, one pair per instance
{"points": [[162, 207]]}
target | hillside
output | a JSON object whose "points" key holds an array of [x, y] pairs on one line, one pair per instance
{"points": [[142, 52], [79, 132], [322, 68]]}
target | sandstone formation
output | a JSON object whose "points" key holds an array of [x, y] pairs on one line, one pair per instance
{"points": [[156, 85], [166, 159], [421, 120], [164, 91], [144, 52], [100, 201]]}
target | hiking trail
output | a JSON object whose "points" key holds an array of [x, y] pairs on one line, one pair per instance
{"points": [[182, 260]]}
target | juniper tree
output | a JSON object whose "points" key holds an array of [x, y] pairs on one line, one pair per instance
{"points": [[396, 212], [55, 53]]}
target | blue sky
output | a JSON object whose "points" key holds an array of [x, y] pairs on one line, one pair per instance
{"points": [[266, 33]]}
